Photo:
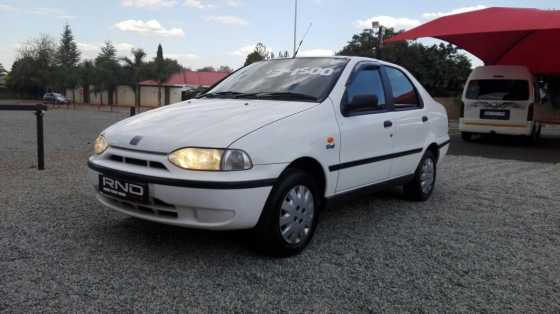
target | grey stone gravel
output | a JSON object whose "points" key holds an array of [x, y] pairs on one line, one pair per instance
{"points": [[487, 241]]}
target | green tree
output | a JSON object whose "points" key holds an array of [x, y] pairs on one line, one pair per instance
{"points": [[207, 69], [259, 54], [24, 79], [135, 71], [161, 69], [225, 68], [107, 71], [161, 74], [442, 69], [67, 58], [3, 75], [86, 77], [32, 71]]}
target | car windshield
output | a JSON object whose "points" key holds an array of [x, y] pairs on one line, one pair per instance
{"points": [[512, 90], [305, 79]]}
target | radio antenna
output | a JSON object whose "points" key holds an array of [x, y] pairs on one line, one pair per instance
{"points": [[295, 27], [304, 36]]}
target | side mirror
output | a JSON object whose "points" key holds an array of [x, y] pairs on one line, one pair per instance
{"points": [[361, 103]]}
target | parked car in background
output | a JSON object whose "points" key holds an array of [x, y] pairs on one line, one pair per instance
{"points": [[500, 100], [268, 146], [55, 98]]}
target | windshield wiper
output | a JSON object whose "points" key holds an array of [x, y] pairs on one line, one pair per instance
{"points": [[222, 94], [278, 95]]}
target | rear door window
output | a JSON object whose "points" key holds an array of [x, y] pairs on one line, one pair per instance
{"points": [[404, 93], [512, 90]]}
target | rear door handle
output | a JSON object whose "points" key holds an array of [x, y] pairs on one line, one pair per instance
{"points": [[424, 119], [387, 124]]}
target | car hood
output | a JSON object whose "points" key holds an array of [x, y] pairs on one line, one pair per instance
{"points": [[199, 123]]}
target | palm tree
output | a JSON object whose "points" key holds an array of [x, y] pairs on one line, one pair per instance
{"points": [[136, 70]]}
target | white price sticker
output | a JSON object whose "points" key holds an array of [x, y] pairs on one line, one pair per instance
{"points": [[302, 71]]}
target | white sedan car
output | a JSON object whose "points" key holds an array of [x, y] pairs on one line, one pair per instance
{"points": [[265, 148]]}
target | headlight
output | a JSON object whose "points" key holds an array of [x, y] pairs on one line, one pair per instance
{"points": [[100, 145], [210, 159]]}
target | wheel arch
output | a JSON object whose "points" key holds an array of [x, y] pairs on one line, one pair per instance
{"points": [[434, 148], [313, 167]]}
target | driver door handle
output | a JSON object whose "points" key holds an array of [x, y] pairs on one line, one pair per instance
{"points": [[388, 124], [424, 119]]}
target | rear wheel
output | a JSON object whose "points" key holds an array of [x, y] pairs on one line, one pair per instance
{"points": [[421, 187], [535, 135], [290, 215], [467, 136]]}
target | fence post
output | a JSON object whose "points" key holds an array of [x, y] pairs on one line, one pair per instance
{"points": [[40, 140]]}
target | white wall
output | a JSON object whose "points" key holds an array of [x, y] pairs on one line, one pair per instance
{"points": [[124, 96]]}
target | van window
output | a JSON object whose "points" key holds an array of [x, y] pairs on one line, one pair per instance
{"points": [[513, 90]]}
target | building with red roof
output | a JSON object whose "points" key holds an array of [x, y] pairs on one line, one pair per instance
{"points": [[188, 78], [176, 88]]}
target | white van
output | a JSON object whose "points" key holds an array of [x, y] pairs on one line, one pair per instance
{"points": [[500, 100]]}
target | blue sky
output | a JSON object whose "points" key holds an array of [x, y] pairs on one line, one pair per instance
{"points": [[215, 32]]}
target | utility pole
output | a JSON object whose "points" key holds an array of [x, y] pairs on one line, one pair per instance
{"points": [[295, 29], [380, 34]]}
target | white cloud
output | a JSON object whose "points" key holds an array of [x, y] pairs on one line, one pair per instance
{"points": [[433, 15], [243, 51], [227, 19], [189, 56], [198, 4], [233, 3], [316, 53], [55, 12], [148, 3], [151, 27], [91, 49], [7, 8], [398, 23]]}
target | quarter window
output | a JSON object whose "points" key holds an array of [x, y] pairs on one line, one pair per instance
{"points": [[404, 93], [367, 82]]}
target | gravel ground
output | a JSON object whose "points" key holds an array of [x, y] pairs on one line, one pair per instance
{"points": [[487, 241]]}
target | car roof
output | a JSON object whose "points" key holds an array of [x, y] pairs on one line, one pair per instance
{"points": [[503, 72], [350, 58]]}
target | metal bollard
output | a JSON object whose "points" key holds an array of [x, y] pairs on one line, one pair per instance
{"points": [[40, 141], [132, 111]]}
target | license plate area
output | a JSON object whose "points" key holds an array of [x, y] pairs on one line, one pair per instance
{"points": [[494, 114], [124, 189]]}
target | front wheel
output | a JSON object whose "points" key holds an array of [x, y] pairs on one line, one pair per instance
{"points": [[289, 217], [421, 187]]}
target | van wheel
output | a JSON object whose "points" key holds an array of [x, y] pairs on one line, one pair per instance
{"points": [[467, 136], [533, 139], [290, 215], [421, 187]]}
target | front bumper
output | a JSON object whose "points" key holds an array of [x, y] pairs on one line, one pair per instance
{"points": [[496, 126], [235, 202]]}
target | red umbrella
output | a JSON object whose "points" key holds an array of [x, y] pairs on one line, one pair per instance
{"points": [[504, 36]]}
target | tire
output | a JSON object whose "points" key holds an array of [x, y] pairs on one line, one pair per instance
{"points": [[421, 187], [272, 236], [533, 139], [467, 136]]}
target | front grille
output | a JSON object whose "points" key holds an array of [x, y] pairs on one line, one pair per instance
{"points": [[158, 208], [138, 162]]}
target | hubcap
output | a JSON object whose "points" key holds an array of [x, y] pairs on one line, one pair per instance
{"points": [[427, 176], [296, 214]]}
